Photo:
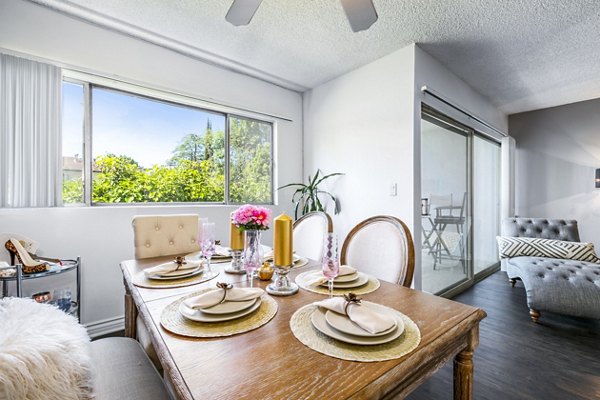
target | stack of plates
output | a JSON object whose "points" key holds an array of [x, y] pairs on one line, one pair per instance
{"points": [[179, 274], [340, 327], [226, 311], [349, 281]]}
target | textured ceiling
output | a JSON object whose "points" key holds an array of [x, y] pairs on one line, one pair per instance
{"points": [[521, 54]]}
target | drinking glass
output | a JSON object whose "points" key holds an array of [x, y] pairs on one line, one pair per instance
{"points": [[201, 221], [207, 245], [330, 261]]}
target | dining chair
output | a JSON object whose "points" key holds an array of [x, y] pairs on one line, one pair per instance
{"points": [[383, 247], [309, 234], [157, 236]]}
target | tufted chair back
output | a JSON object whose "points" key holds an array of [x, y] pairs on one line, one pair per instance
{"points": [[164, 235], [383, 247], [557, 229]]}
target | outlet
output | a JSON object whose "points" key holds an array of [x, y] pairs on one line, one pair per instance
{"points": [[394, 189]]}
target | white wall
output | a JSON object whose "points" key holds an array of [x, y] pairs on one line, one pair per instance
{"points": [[361, 124], [557, 152], [103, 236], [367, 124]]}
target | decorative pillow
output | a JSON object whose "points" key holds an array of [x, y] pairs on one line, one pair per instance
{"points": [[536, 247]]}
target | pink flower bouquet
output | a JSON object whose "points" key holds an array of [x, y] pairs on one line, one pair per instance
{"points": [[249, 217]]}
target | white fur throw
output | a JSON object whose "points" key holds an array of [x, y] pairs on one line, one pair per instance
{"points": [[44, 353]]}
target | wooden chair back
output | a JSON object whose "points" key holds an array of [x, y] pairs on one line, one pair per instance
{"points": [[309, 234]]}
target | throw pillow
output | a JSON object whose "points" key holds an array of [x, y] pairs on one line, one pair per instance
{"points": [[536, 247]]}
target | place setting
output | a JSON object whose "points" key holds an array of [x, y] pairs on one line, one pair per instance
{"points": [[179, 272], [349, 328], [335, 279], [221, 311]]}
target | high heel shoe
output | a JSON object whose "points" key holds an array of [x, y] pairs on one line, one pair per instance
{"points": [[30, 266]]}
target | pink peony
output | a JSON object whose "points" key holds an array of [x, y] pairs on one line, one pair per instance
{"points": [[252, 217]]}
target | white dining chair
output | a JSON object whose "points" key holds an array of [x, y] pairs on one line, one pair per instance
{"points": [[309, 234], [157, 236], [383, 247]]}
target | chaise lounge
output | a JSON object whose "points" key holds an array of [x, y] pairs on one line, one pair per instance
{"points": [[563, 286]]}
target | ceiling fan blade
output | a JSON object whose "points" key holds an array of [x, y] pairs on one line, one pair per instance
{"points": [[242, 11], [361, 14]]}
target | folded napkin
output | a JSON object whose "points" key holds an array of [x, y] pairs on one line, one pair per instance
{"points": [[368, 319], [317, 278], [222, 251], [170, 267], [214, 297]]}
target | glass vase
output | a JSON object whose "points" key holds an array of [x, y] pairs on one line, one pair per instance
{"points": [[253, 253]]}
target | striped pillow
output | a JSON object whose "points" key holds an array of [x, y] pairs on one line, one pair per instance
{"points": [[535, 247]]}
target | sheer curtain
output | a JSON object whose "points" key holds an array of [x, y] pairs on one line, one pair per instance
{"points": [[30, 133]]}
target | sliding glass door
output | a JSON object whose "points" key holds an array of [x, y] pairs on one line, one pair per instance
{"points": [[460, 195]]}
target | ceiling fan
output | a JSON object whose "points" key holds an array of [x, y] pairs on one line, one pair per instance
{"points": [[360, 13]]}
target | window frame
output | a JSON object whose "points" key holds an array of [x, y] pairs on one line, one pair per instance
{"points": [[89, 82]]}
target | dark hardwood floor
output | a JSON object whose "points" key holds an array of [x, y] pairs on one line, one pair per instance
{"points": [[558, 358]]}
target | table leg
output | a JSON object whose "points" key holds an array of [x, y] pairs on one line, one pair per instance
{"points": [[463, 367], [130, 314]]}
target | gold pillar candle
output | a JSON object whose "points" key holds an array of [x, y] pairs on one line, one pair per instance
{"points": [[282, 238], [236, 237]]}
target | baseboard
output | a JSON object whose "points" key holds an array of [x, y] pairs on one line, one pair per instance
{"points": [[105, 326]]}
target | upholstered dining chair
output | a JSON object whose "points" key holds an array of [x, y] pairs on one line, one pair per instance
{"points": [[383, 247], [309, 234], [156, 236]]}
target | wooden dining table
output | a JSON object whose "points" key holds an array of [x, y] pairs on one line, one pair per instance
{"points": [[270, 363]]}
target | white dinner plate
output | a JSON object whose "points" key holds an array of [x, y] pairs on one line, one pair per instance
{"points": [[346, 278], [229, 307], [360, 281], [320, 323], [199, 316], [189, 274], [344, 324]]}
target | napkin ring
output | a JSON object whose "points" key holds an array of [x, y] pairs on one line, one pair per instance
{"points": [[224, 286], [180, 261], [350, 298]]}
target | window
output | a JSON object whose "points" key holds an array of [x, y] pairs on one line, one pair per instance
{"points": [[152, 150]]}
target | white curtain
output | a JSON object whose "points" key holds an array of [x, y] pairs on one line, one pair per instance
{"points": [[30, 133]]}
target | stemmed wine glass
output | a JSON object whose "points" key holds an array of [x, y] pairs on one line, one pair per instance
{"points": [[201, 221], [330, 261], [207, 245]]}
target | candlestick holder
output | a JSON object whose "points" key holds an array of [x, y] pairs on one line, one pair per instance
{"points": [[237, 266], [282, 285]]}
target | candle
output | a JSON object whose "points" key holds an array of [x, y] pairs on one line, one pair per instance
{"points": [[236, 237], [282, 236]]}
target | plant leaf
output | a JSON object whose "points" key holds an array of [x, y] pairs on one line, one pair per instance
{"points": [[328, 176]]}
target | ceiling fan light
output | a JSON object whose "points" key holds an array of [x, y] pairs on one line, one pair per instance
{"points": [[360, 13]]}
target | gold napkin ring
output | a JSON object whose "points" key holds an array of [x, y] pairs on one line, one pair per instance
{"points": [[180, 261], [350, 298], [224, 286]]}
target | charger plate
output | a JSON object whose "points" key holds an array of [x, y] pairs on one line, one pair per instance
{"points": [[172, 320], [140, 280], [303, 329], [303, 279]]}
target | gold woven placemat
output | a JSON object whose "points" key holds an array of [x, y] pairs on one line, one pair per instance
{"points": [[371, 286], [305, 332], [140, 280], [172, 320]]}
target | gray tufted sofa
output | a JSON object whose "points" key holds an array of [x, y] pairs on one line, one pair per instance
{"points": [[562, 286]]}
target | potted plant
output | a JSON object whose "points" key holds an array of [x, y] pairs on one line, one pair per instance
{"points": [[306, 197]]}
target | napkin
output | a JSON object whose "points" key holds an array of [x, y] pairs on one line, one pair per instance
{"points": [[317, 278], [214, 297], [222, 251], [368, 319], [170, 267]]}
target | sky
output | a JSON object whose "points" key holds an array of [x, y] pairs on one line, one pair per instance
{"points": [[122, 124]]}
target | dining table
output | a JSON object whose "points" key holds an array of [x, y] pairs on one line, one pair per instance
{"points": [[270, 363]]}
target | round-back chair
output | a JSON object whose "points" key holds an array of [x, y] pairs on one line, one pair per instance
{"points": [[383, 247]]}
